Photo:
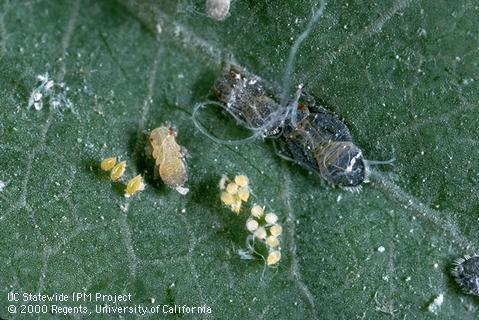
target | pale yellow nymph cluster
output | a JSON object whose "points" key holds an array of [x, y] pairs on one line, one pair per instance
{"points": [[116, 169], [116, 172], [234, 192]]}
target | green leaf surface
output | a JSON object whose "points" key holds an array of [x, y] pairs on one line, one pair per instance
{"points": [[402, 74]]}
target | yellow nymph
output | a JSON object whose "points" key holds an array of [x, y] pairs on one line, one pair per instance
{"points": [[134, 185], [118, 171], [108, 163]]}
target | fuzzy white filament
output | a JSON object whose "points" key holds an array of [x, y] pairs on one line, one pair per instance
{"points": [[294, 50]]}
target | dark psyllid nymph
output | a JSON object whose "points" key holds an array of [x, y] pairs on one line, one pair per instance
{"points": [[310, 135]]}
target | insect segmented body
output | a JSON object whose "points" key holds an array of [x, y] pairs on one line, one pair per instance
{"points": [[320, 141], [249, 100], [310, 135], [169, 158], [466, 273]]}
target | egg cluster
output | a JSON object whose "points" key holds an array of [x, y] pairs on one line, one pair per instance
{"points": [[116, 172], [263, 227], [234, 192]]}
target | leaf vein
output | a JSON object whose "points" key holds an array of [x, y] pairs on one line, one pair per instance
{"points": [[294, 271]]}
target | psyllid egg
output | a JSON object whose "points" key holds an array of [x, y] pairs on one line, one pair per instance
{"points": [[273, 257], [234, 192], [264, 230]]}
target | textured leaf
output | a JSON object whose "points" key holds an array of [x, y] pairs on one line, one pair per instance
{"points": [[403, 75]]}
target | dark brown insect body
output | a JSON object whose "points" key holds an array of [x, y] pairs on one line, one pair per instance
{"points": [[249, 100], [320, 141], [310, 135], [466, 273]]}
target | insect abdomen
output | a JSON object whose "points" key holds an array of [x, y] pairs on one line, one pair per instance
{"points": [[249, 100], [322, 143], [313, 136]]}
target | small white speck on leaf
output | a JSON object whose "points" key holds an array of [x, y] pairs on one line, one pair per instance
{"points": [[2, 185], [381, 249], [124, 207], [50, 92], [181, 190], [435, 305]]}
